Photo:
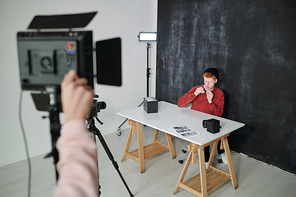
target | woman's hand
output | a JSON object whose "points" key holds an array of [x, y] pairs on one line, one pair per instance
{"points": [[76, 97]]}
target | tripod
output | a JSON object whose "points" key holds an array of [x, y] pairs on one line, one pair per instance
{"points": [[93, 129]]}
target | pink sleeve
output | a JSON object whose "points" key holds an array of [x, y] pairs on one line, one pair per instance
{"points": [[77, 166]]}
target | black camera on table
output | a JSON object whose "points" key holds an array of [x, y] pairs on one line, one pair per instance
{"points": [[212, 125]]}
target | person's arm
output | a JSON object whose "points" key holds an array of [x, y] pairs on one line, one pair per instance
{"points": [[77, 166], [188, 97]]}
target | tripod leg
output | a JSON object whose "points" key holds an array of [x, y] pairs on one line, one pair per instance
{"points": [[99, 187], [107, 150]]}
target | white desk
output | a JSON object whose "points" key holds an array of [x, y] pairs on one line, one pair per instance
{"points": [[171, 115]]}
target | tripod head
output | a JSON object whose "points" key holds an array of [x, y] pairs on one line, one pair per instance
{"points": [[96, 107]]}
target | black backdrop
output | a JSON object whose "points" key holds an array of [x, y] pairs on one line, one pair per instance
{"points": [[253, 45]]}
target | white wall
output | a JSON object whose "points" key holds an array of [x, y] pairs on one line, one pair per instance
{"points": [[115, 18]]}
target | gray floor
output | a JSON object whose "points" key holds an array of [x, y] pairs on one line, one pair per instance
{"points": [[254, 178]]}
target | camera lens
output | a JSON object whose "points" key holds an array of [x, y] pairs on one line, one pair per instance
{"points": [[204, 123], [102, 105]]}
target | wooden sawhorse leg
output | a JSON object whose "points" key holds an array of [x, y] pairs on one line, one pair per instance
{"points": [[145, 152], [209, 178], [229, 160], [136, 128], [193, 148], [169, 140], [183, 173]]}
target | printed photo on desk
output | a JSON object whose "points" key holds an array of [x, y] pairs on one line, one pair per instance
{"points": [[184, 131]]}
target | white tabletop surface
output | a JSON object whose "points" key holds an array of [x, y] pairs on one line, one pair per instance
{"points": [[171, 115]]}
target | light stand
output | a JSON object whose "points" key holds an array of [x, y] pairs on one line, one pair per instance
{"points": [[148, 68], [55, 128], [144, 37], [51, 102]]}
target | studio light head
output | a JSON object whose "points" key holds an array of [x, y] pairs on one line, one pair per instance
{"points": [[46, 56], [147, 36]]}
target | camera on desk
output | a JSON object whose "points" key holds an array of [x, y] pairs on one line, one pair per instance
{"points": [[212, 125]]}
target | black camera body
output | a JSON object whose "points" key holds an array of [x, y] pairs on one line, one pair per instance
{"points": [[212, 125], [96, 106]]}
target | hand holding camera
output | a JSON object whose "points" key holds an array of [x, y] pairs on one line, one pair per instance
{"points": [[75, 92]]}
